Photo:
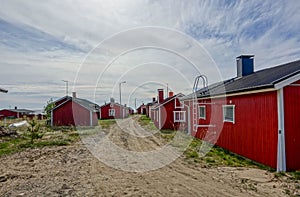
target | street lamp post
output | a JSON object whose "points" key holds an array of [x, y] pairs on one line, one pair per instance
{"points": [[120, 91], [67, 86]]}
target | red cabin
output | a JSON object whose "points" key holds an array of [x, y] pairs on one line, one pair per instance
{"points": [[114, 110], [74, 111], [168, 113], [142, 109], [15, 113], [255, 115]]}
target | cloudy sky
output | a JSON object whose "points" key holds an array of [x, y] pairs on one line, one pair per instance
{"points": [[95, 45]]}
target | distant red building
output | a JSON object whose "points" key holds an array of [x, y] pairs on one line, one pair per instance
{"points": [[74, 111], [168, 113], [15, 113], [142, 109], [114, 110]]}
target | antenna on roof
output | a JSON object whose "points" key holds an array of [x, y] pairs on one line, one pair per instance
{"points": [[196, 82]]}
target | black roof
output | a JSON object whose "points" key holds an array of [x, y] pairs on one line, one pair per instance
{"points": [[83, 102], [87, 104], [156, 105], [21, 110], [263, 79]]}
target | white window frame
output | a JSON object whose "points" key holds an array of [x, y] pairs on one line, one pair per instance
{"points": [[179, 112], [224, 113], [199, 111], [178, 106], [111, 112]]}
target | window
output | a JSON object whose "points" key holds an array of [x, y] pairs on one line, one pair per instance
{"points": [[111, 112], [228, 113], [202, 112], [179, 116], [178, 104]]}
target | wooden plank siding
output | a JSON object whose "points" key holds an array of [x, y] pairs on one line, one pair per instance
{"points": [[71, 113], [292, 126], [254, 132]]}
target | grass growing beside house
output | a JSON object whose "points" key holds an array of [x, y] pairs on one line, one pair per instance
{"points": [[105, 124], [58, 136], [145, 121]]}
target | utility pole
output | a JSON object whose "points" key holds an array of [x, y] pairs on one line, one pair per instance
{"points": [[67, 86], [167, 90], [120, 92]]}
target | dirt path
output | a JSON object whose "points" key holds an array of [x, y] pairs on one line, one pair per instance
{"points": [[74, 171]]}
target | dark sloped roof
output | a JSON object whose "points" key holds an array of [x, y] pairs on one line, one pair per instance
{"points": [[87, 104], [156, 105], [22, 110], [109, 104], [83, 102], [263, 79]]}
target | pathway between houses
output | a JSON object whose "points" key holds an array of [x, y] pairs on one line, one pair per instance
{"points": [[74, 171]]}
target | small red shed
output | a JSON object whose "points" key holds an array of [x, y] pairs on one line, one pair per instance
{"points": [[255, 114], [113, 110], [168, 113], [74, 111], [142, 109]]}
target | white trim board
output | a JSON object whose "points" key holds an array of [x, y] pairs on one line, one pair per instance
{"points": [[287, 82]]}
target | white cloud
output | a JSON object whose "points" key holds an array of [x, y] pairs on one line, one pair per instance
{"points": [[43, 42]]}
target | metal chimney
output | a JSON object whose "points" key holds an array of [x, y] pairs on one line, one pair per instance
{"points": [[245, 65]]}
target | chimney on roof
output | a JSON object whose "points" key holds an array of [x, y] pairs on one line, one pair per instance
{"points": [[171, 94], [74, 94], [160, 95], [112, 100], [16, 107], [153, 99], [245, 65]]}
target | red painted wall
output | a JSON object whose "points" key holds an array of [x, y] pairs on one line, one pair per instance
{"points": [[71, 113], [105, 111], [167, 116], [292, 126], [7, 113], [254, 133]]}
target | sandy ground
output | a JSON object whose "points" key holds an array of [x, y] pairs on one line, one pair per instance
{"points": [[73, 171]]}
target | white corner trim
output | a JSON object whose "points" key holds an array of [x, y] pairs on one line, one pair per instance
{"points": [[281, 159], [159, 119], [51, 118], [287, 82], [91, 118]]}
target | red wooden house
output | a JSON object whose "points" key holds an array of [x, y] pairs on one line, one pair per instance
{"points": [[74, 111], [145, 109], [142, 109], [15, 113], [168, 113], [256, 114], [113, 110]]}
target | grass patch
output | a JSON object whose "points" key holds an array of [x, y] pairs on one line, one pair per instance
{"points": [[218, 156], [9, 145], [295, 175], [145, 121], [106, 124]]}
